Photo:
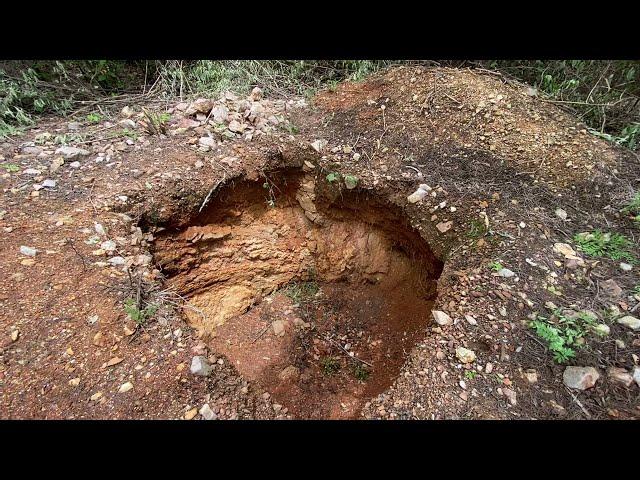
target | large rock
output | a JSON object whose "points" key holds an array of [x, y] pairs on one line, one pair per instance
{"points": [[441, 318], [200, 366], [69, 153], [631, 322], [580, 378], [201, 105]]}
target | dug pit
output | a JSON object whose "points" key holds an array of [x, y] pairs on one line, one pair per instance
{"points": [[314, 291]]}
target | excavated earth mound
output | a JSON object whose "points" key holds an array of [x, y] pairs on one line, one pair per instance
{"points": [[233, 269]]}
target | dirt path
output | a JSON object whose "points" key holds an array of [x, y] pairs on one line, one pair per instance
{"points": [[498, 165]]}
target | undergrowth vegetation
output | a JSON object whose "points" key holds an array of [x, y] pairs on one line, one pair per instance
{"points": [[605, 244], [605, 94], [563, 333]]}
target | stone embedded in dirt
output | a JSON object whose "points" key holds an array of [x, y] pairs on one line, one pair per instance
{"points": [[70, 153], [561, 214], [99, 229], [190, 415], [56, 163], [505, 272], [74, 164], [125, 387], [256, 94], [200, 366], [441, 318], [28, 251], [116, 261], [127, 111], [32, 171], [31, 150], [319, 145], [278, 328], [108, 246], [236, 126], [636, 374], [207, 413], [289, 373], [531, 375], [465, 355], [15, 334], [629, 321], [580, 378], [602, 329], [48, 183], [626, 267], [565, 249], [611, 288], [471, 320], [127, 123], [444, 227], [207, 142], [511, 396], [417, 196], [620, 375]]}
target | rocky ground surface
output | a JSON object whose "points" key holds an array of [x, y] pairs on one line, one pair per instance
{"points": [[496, 180]]}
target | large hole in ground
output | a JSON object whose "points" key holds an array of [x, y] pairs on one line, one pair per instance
{"points": [[316, 293]]}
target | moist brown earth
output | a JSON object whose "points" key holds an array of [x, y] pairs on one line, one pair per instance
{"points": [[499, 163]]}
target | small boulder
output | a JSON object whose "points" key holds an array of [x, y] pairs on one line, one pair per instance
{"points": [[580, 378]]}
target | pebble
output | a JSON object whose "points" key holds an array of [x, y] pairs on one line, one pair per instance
{"points": [[561, 214], [602, 329], [116, 261], [278, 328], [191, 414], [531, 376], [511, 395], [72, 152], [465, 355], [49, 183], [505, 272], [28, 251], [441, 318], [125, 387], [580, 378], [636, 375], [626, 267], [207, 413], [200, 366]]}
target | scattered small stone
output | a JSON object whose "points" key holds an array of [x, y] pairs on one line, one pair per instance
{"points": [[620, 375], [629, 321], [289, 373], [207, 413], [471, 320], [125, 387], [444, 227], [108, 246], [531, 375], [200, 366], [190, 415], [505, 272], [419, 194], [626, 267], [74, 164], [511, 396], [15, 334], [465, 355], [28, 251], [580, 378], [564, 249], [561, 214], [116, 261], [95, 397], [48, 183], [207, 142], [441, 318], [602, 329]]}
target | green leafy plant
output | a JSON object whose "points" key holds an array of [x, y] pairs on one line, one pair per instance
{"points": [[470, 374], [137, 315], [128, 133], [496, 266], [600, 244], [94, 117], [155, 123], [564, 333], [477, 229], [330, 365], [633, 207], [333, 177], [361, 372], [300, 292], [350, 181], [10, 167]]}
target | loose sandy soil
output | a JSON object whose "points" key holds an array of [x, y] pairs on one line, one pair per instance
{"points": [[199, 225]]}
